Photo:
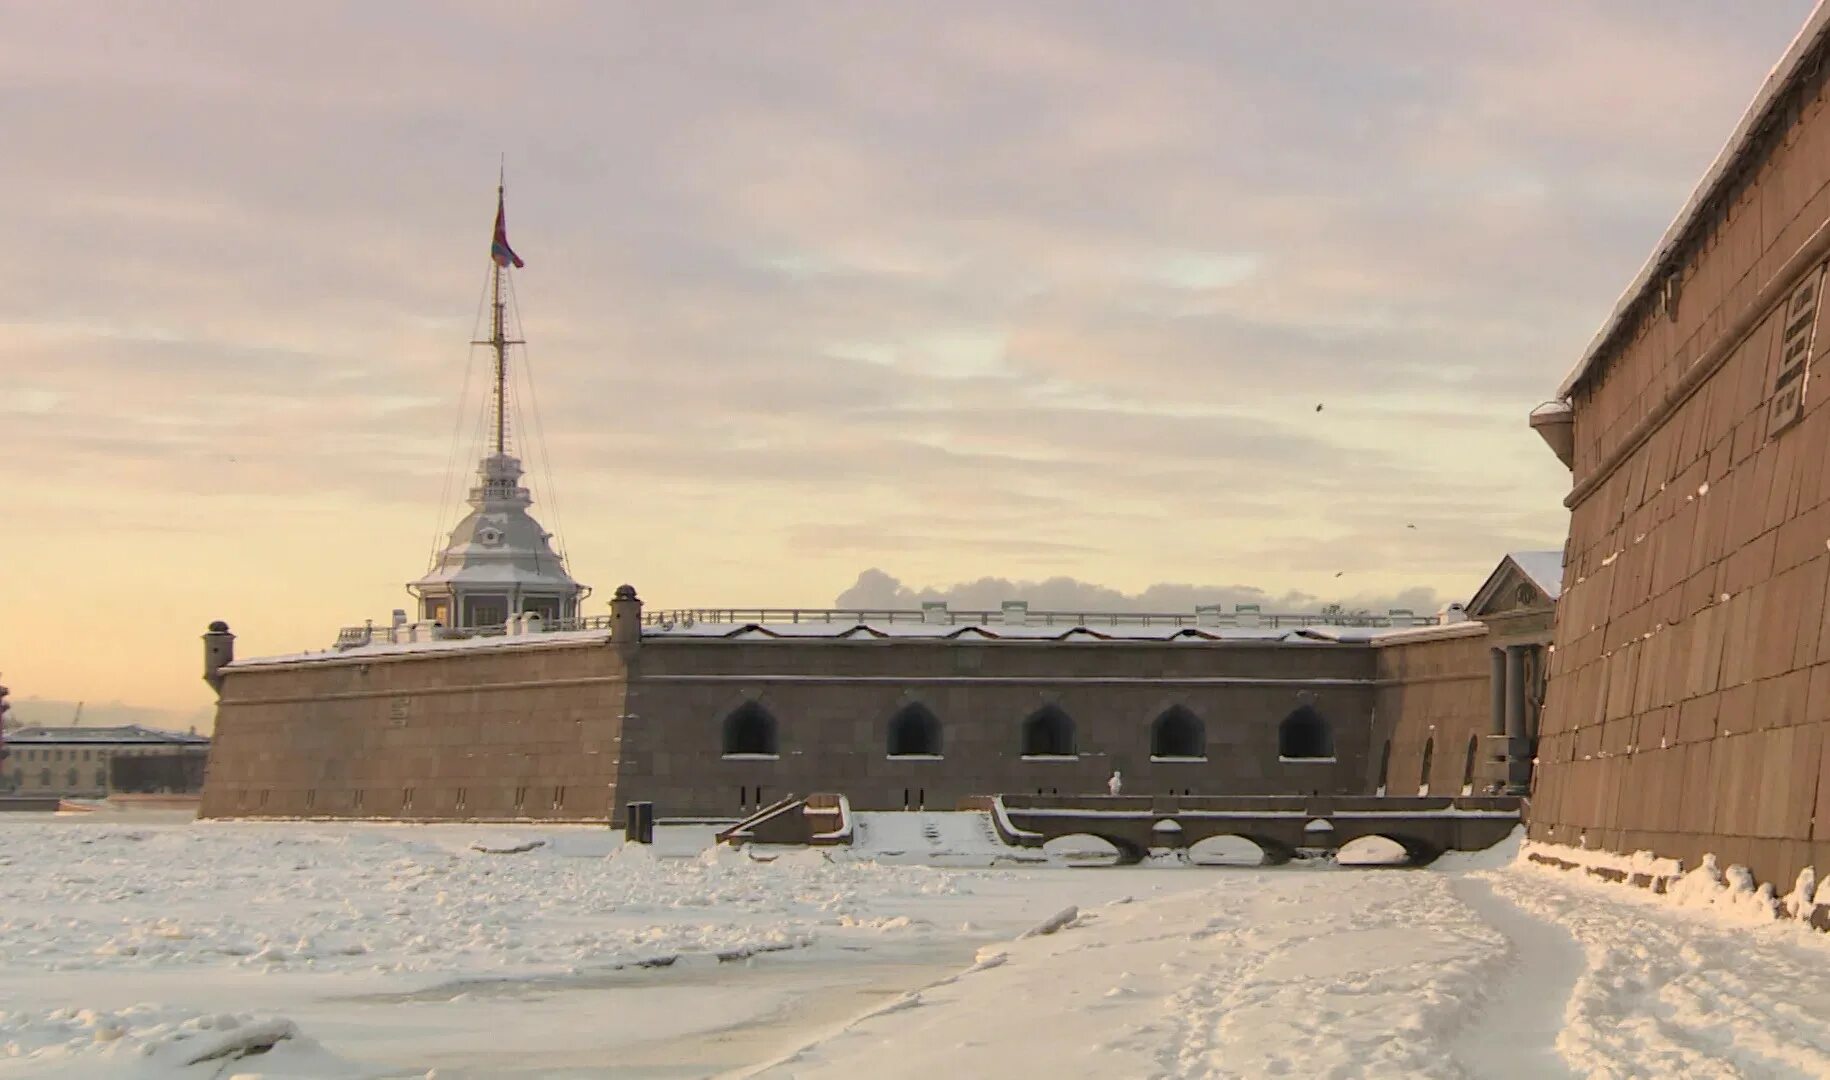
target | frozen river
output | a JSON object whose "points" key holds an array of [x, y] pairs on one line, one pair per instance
{"points": [[148, 948]]}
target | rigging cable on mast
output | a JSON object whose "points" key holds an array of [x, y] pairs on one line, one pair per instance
{"points": [[457, 427], [538, 432]]}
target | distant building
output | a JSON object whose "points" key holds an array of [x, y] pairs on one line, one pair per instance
{"points": [[77, 761]]}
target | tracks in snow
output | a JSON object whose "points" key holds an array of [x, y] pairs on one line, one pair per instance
{"points": [[1515, 1035]]}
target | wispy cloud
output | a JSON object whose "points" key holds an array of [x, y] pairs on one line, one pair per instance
{"points": [[1031, 291]]}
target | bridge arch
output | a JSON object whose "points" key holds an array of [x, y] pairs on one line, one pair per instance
{"points": [[1178, 733], [1305, 733], [1387, 849], [1236, 849], [1048, 732], [1073, 847]]}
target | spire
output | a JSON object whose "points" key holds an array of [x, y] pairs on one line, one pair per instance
{"points": [[502, 256]]}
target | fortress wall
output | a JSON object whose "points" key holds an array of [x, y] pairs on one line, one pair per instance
{"points": [[351, 737], [833, 702], [1435, 693], [492, 734], [1689, 691]]}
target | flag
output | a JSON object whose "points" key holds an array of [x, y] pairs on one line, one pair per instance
{"points": [[498, 247]]}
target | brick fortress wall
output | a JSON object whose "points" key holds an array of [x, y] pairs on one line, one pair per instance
{"points": [[1689, 689]]}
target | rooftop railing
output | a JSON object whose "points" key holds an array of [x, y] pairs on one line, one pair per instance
{"points": [[392, 633], [1021, 616]]}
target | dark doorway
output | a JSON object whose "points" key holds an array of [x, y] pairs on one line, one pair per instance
{"points": [[1304, 734], [1178, 733], [749, 730], [914, 732], [1048, 732]]}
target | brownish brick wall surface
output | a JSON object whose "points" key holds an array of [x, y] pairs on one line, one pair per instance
{"points": [[1433, 693], [1689, 691], [487, 724]]}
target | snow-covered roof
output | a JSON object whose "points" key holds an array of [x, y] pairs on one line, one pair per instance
{"points": [[1544, 568], [864, 631], [1740, 144], [124, 733], [464, 644], [499, 544]]}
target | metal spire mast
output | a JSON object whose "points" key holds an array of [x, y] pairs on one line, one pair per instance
{"points": [[500, 258]]}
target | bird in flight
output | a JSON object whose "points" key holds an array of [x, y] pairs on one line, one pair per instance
{"points": [[1318, 408]]}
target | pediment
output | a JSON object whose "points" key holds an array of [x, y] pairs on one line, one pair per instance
{"points": [[1509, 591]]}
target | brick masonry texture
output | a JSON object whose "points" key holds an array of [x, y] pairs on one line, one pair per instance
{"points": [[1689, 689], [574, 732]]}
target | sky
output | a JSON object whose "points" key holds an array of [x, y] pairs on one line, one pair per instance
{"points": [[816, 298]]}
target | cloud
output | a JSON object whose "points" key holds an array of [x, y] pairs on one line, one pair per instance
{"points": [[878, 590], [1053, 289]]}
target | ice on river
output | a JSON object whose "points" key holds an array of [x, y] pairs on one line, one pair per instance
{"points": [[180, 950]]}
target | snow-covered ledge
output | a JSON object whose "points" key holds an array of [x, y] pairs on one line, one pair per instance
{"points": [[1051, 757], [1176, 759], [914, 757], [752, 757], [1306, 760]]}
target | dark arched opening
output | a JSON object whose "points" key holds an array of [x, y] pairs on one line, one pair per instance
{"points": [[749, 730], [1178, 733], [1385, 766], [1304, 734], [1048, 732], [1467, 773], [914, 732], [1423, 774]]}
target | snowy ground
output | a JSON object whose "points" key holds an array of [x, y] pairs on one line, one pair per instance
{"points": [[146, 948]]}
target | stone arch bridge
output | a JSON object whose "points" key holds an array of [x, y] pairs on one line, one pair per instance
{"points": [[1280, 825]]}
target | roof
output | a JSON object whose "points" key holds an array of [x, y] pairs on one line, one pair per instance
{"points": [[125, 733], [1544, 568], [1735, 152], [366, 652], [1163, 633]]}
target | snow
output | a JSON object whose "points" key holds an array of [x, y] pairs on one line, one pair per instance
{"points": [[1545, 568], [164, 949]]}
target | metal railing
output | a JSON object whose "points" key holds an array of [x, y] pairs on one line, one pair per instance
{"points": [[667, 618], [389, 633]]}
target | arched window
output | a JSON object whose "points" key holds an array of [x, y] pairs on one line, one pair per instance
{"points": [[749, 730], [1467, 774], [1385, 765], [914, 732], [1304, 734], [1048, 732], [1178, 733], [1423, 779]]}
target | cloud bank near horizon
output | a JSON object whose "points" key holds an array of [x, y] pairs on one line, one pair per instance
{"points": [[879, 590]]}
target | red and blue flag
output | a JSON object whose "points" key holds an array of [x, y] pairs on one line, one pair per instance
{"points": [[498, 246]]}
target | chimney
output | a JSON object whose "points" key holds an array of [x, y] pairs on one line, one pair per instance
{"points": [[625, 616], [218, 653]]}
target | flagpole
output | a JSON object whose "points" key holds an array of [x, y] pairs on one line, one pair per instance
{"points": [[500, 341]]}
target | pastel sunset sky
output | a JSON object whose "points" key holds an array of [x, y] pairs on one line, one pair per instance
{"points": [[945, 290]]}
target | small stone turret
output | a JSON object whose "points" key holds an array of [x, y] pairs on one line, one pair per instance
{"points": [[625, 616], [218, 652]]}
